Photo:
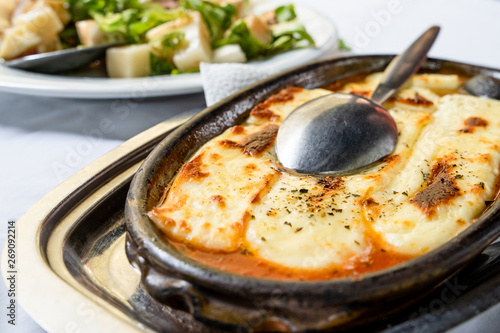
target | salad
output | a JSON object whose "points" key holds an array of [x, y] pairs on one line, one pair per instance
{"points": [[161, 37]]}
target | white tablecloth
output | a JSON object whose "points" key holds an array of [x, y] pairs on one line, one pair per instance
{"points": [[44, 140]]}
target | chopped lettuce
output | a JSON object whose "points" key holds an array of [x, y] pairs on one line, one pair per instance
{"points": [[217, 18], [116, 22], [151, 18], [81, 9], [133, 24], [160, 66], [130, 18], [343, 46], [165, 46], [240, 34], [285, 13], [162, 52], [69, 37], [286, 36]]}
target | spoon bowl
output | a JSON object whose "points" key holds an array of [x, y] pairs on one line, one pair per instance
{"points": [[333, 148], [340, 133]]}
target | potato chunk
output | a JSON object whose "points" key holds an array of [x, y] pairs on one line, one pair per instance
{"points": [[229, 53], [259, 29], [198, 46], [89, 32]]}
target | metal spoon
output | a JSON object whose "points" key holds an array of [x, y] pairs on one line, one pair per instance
{"points": [[60, 61], [340, 133]]}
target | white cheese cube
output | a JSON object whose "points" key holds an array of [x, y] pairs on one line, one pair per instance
{"points": [[17, 40], [128, 61], [198, 46], [89, 32], [229, 53], [42, 21], [259, 29]]}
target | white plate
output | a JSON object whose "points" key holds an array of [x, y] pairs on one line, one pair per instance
{"points": [[319, 27]]}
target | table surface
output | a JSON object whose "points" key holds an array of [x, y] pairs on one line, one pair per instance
{"points": [[46, 140]]}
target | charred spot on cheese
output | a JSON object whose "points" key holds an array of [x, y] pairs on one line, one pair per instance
{"points": [[285, 95], [361, 93], [193, 169], [237, 130], [218, 200], [249, 168], [418, 100], [264, 113], [256, 143], [156, 214], [471, 123], [476, 121], [215, 156], [369, 202], [441, 188], [185, 227], [330, 183], [339, 84], [238, 226]]}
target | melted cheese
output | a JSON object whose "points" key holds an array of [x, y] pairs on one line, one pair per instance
{"points": [[233, 195], [208, 202]]}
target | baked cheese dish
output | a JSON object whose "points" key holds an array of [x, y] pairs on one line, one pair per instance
{"points": [[232, 206]]}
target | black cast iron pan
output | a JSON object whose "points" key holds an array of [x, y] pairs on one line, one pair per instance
{"points": [[231, 302]]}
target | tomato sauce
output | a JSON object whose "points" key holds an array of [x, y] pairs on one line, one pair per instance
{"points": [[246, 263]]}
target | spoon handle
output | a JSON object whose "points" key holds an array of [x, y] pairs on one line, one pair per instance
{"points": [[61, 61], [404, 65]]}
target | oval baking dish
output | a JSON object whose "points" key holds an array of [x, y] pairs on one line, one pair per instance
{"points": [[230, 302]]}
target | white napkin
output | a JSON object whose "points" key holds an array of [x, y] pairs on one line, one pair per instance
{"points": [[222, 80]]}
